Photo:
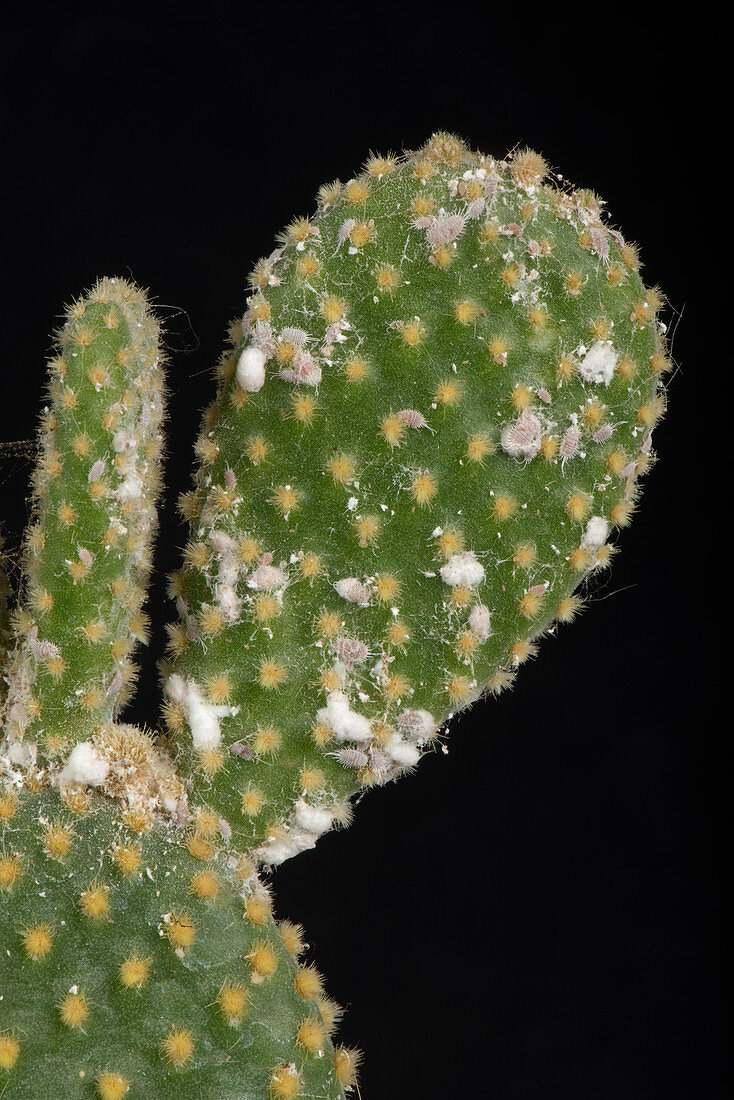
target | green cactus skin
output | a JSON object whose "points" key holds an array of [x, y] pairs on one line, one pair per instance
{"points": [[87, 550], [431, 417], [132, 968]]}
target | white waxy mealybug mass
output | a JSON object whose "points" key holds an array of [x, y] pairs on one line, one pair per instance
{"points": [[251, 369]]}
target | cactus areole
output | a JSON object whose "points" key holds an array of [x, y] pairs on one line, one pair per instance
{"points": [[429, 423]]}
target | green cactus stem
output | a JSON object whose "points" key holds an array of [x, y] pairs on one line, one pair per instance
{"points": [[431, 419], [87, 550], [138, 964]]}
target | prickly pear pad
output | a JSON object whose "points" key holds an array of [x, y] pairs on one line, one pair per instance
{"points": [[431, 419]]}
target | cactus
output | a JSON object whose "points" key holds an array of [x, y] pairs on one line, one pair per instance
{"points": [[431, 417]]}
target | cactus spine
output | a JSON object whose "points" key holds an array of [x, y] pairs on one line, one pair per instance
{"points": [[431, 417]]}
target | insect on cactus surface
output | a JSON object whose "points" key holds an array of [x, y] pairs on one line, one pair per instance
{"points": [[429, 422]]}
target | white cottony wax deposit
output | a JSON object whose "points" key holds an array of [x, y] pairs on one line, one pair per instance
{"points": [[85, 765], [251, 369], [463, 569], [346, 724], [596, 533], [599, 362], [202, 717]]}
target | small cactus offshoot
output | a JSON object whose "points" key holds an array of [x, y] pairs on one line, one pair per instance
{"points": [[431, 419]]}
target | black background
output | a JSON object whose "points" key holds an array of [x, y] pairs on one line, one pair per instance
{"points": [[536, 914]]}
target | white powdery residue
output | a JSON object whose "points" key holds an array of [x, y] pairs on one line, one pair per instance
{"points": [[84, 765], [599, 362], [22, 753], [228, 602], [479, 622], [403, 753], [419, 724], [202, 717], [312, 818], [250, 371], [122, 442], [225, 590], [595, 535], [344, 722], [462, 569], [352, 504], [267, 576], [131, 488], [278, 851], [352, 589]]}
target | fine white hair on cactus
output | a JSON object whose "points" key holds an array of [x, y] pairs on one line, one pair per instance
{"points": [[250, 371], [345, 723], [595, 535], [84, 765], [599, 362], [462, 569]]}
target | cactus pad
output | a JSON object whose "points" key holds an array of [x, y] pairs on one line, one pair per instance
{"points": [[431, 419]]}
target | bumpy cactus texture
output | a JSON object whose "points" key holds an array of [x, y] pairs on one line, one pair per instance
{"points": [[131, 964], [87, 553], [432, 417], [429, 422]]}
